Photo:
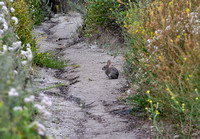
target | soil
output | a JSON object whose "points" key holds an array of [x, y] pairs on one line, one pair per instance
{"points": [[86, 106]]}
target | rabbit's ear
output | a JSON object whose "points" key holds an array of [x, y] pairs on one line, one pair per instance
{"points": [[108, 63]]}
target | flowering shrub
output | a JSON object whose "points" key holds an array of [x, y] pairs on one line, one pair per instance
{"points": [[35, 11], [16, 98], [25, 24], [164, 58]]}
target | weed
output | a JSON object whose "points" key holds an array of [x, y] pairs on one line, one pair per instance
{"points": [[47, 60]]}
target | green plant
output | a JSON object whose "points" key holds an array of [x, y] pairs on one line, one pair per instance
{"points": [[16, 98], [25, 24], [35, 11], [162, 56], [76, 6], [47, 60]]}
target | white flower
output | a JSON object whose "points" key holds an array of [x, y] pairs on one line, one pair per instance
{"points": [[28, 45], [149, 40], [13, 92], [18, 108], [5, 49], [128, 91], [46, 101], [167, 28], [155, 47], [29, 99], [15, 72], [28, 54], [17, 44], [5, 26], [1, 32], [1, 3], [4, 8], [46, 114], [11, 0], [41, 128], [10, 49], [24, 62], [15, 20], [197, 21], [12, 9], [39, 107]]}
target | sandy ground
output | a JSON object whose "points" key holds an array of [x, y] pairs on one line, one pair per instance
{"points": [[86, 107]]}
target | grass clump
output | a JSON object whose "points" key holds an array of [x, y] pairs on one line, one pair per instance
{"points": [[48, 60]]}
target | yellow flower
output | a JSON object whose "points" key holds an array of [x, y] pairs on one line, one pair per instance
{"points": [[132, 54], [157, 112], [185, 58], [167, 89], [147, 92], [195, 89], [183, 104], [150, 118], [146, 108], [159, 57], [110, 9], [183, 110], [189, 75], [172, 41], [47, 53], [187, 79], [178, 36], [172, 97], [170, 2], [118, 98], [150, 101], [185, 34], [197, 98], [187, 10]]}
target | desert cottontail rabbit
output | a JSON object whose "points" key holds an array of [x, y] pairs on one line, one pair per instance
{"points": [[111, 72]]}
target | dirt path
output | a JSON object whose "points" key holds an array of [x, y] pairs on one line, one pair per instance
{"points": [[86, 107]]}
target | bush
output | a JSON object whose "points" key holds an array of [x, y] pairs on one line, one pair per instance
{"points": [[16, 99], [34, 9], [163, 59], [25, 24], [101, 14]]}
